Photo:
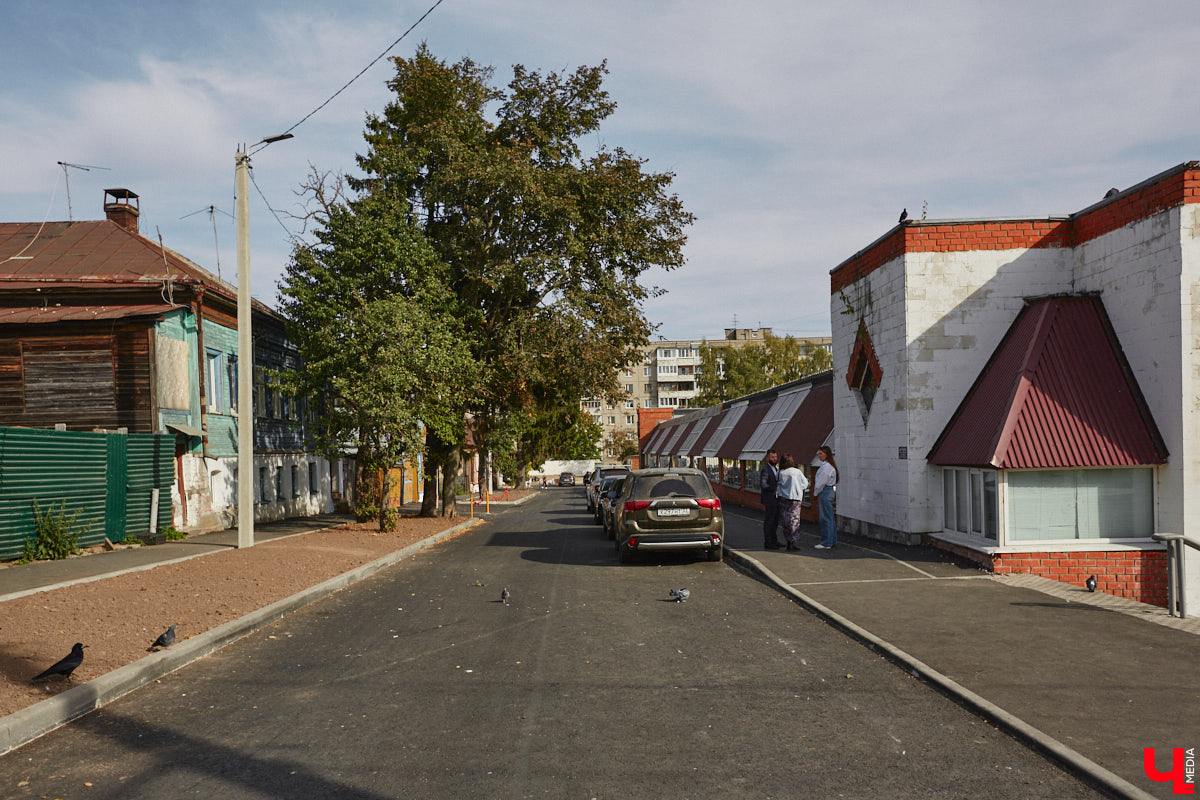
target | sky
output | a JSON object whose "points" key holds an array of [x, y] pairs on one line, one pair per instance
{"points": [[796, 130]]}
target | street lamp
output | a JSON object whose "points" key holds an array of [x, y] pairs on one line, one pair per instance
{"points": [[245, 371]]}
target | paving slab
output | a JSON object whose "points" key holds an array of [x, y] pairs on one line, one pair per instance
{"points": [[1105, 682]]}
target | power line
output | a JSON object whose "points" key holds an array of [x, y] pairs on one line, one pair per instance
{"points": [[272, 210], [367, 67]]}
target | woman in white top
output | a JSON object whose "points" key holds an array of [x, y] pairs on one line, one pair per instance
{"points": [[790, 492], [823, 483]]}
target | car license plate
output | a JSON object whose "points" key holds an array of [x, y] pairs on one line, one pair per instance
{"points": [[674, 512]]}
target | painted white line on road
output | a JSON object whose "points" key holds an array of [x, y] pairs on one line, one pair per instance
{"points": [[895, 580], [855, 547]]}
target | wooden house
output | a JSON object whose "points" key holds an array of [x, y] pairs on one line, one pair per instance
{"points": [[103, 328]]}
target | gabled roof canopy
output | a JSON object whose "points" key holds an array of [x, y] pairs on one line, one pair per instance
{"points": [[1057, 392]]}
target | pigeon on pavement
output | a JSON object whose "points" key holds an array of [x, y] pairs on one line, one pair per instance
{"points": [[165, 639], [67, 665], [504, 595], [680, 595], [1090, 583]]}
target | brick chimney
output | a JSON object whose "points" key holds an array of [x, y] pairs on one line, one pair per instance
{"points": [[122, 208]]}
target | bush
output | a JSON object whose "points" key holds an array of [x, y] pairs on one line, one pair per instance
{"points": [[371, 514], [55, 534], [171, 533]]}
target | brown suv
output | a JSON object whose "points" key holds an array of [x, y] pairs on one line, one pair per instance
{"points": [[668, 509]]}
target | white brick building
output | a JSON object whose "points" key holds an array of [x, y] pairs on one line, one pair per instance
{"points": [[918, 314]]}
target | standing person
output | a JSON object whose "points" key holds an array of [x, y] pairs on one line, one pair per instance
{"points": [[792, 484], [768, 483], [823, 483]]}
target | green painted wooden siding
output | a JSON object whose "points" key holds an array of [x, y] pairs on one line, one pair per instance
{"points": [[53, 466]]}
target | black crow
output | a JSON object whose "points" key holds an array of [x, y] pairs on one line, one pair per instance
{"points": [[67, 665]]}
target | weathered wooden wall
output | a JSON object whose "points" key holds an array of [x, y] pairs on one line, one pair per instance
{"points": [[86, 376]]}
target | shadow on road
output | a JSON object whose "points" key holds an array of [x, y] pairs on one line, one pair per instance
{"points": [[267, 777]]}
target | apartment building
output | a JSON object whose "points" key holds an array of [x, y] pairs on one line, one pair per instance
{"points": [[667, 378]]}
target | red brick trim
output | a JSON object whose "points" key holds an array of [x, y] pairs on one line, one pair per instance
{"points": [[1177, 187], [1140, 575], [862, 359]]}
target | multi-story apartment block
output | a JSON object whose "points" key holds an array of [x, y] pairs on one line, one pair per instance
{"points": [[667, 377]]}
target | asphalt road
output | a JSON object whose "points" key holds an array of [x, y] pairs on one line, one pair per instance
{"points": [[419, 683]]}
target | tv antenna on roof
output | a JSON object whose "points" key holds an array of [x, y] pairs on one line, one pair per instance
{"points": [[67, 175], [212, 215]]}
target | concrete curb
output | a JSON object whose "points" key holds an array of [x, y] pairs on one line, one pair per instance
{"points": [[22, 727], [1073, 761]]}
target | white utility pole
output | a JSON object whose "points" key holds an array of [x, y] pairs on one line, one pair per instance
{"points": [[245, 367]]}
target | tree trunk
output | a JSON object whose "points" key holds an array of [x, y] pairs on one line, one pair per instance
{"points": [[385, 491], [450, 468], [430, 493]]}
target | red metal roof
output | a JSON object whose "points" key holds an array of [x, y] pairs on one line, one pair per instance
{"points": [[732, 446], [1057, 392], [679, 437], [35, 314]]}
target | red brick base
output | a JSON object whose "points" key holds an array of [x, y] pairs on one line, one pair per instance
{"points": [[1137, 574]]}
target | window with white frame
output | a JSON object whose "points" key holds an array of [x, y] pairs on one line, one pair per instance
{"points": [[665, 352], [971, 502], [212, 389], [668, 369], [629, 388], [629, 419], [591, 403], [1047, 505]]}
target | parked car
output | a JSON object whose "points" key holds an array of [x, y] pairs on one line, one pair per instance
{"points": [[609, 499], [605, 486], [668, 509], [593, 485], [566, 479]]}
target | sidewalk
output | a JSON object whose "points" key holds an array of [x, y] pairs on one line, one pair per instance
{"points": [[43, 575], [1089, 679]]}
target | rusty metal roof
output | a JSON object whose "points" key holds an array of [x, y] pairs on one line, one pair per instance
{"points": [[93, 253], [35, 314], [1057, 392]]}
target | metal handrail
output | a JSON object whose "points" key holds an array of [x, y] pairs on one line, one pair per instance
{"points": [[1175, 582]]}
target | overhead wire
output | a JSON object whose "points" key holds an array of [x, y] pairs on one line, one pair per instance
{"points": [[53, 194], [274, 214], [362, 71], [306, 117]]}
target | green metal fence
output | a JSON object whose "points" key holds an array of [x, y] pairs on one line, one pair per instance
{"points": [[108, 478]]}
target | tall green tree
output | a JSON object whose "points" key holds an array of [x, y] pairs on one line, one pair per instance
{"points": [[729, 372], [378, 333], [545, 246]]}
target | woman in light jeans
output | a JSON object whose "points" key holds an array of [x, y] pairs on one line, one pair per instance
{"points": [[823, 483], [790, 493]]}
